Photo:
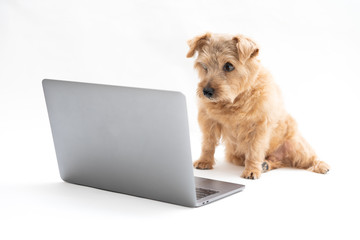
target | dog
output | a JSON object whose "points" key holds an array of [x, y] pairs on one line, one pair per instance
{"points": [[240, 104]]}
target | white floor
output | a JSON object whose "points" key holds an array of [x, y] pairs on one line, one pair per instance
{"points": [[311, 48], [284, 203]]}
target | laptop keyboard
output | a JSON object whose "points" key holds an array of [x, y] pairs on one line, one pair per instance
{"points": [[202, 192]]}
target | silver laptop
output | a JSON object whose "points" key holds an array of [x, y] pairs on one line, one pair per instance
{"points": [[127, 140]]}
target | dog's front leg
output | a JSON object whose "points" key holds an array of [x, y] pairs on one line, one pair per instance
{"points": [[255, 153], [211, 131]]}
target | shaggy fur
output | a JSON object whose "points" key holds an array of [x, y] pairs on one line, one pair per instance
{"points": [[245, 110]]}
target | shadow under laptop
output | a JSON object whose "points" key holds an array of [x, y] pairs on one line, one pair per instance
{"points": [[90, 201]]}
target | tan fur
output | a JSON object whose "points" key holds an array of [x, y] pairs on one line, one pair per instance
{"points": [[246, 110]]}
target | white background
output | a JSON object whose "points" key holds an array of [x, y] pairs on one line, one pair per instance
{"points": [[312, 49]]}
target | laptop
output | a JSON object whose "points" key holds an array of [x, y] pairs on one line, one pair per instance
{"points": [[127, 140]]}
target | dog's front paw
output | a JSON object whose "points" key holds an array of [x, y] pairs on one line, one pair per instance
{"points": [[251, 173], [203, 164]]}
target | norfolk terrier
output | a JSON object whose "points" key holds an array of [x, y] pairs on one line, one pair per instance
{"points": [[240, 103]]}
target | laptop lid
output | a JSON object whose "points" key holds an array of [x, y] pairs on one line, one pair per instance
{"points": [[128, 140]]}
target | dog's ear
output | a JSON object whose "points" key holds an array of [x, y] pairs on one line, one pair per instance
{"points": [[196, 43], [246, 47]]}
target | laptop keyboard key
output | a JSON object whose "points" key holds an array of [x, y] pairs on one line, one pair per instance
{"points": [[202, 192]]}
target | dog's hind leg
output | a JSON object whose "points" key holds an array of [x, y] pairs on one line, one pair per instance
{"points": [[304, 157], [297, 153], [233, 157], [277, 159], [236, 159]]}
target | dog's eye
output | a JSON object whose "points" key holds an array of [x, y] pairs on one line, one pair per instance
{"points": [[228, 67], [204, 66]]}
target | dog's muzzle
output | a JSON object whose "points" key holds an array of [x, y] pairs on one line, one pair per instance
{"points": [[208, 92]]}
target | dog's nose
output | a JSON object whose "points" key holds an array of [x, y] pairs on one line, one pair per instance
{"points": [[208, 92]]}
